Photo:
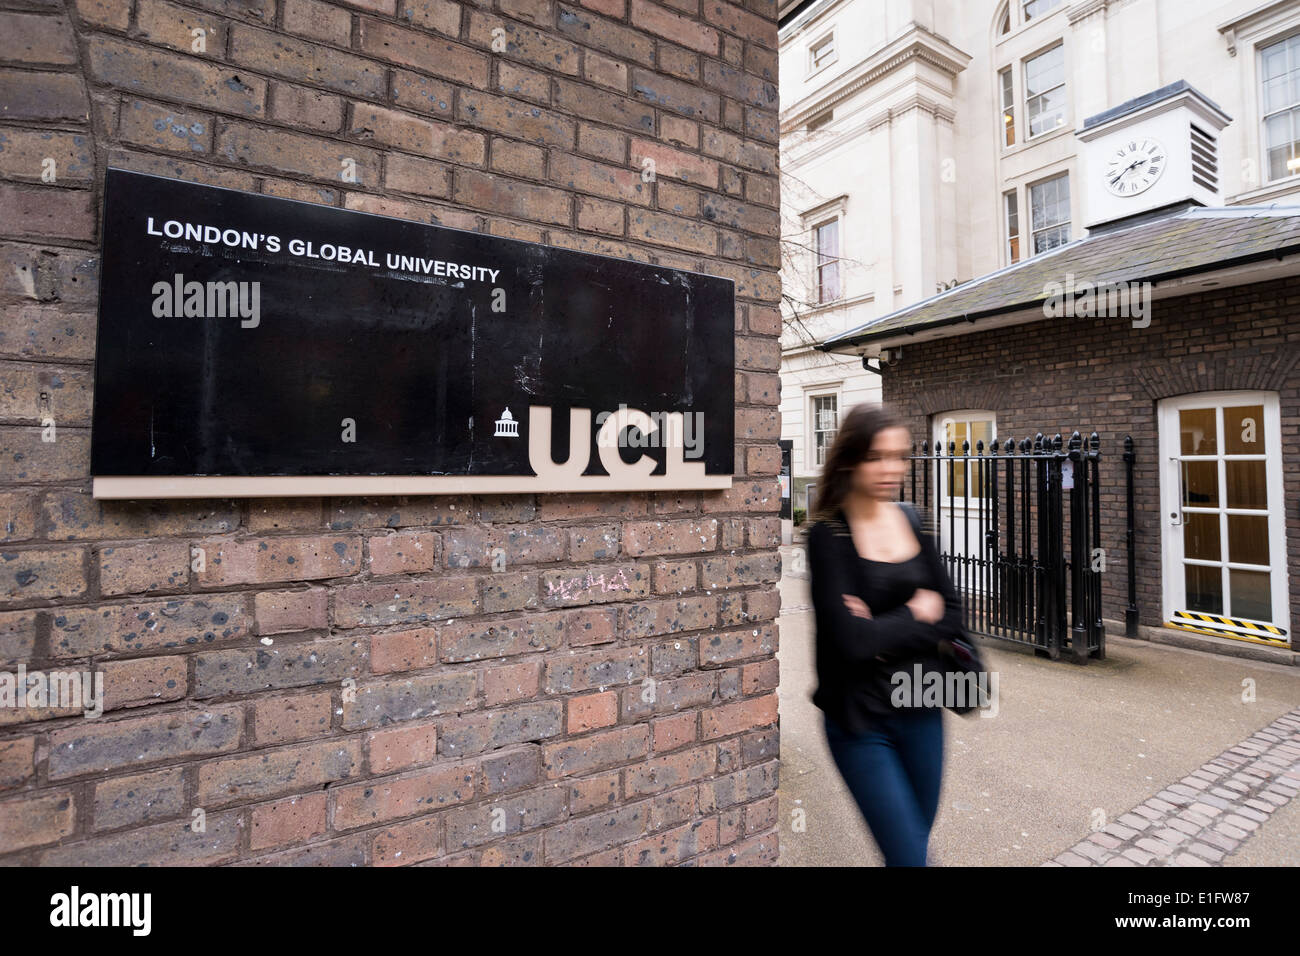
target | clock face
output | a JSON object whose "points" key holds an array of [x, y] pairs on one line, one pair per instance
{"points": [[1135, 166]]}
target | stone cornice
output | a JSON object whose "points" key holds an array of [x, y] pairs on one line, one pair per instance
{"points": [[917, 44], [1082, 9]]}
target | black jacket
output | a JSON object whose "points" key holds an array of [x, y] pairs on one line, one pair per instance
{"points": [[856, 657]]}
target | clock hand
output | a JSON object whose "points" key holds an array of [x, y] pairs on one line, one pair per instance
{"points": [[1135, 162]]}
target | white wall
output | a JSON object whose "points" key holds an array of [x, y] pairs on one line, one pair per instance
{"points": [[916, 149]]}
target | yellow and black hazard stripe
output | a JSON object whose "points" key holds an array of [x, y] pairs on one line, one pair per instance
{"points": [[1229, 627]]}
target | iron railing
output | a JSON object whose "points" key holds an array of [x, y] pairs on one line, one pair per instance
{"points": [[1019, 529]]}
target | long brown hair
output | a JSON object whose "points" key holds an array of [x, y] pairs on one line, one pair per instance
{"points": [[848, 450]]}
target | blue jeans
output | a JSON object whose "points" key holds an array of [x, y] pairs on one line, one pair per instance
{"points": [[894, 774]]}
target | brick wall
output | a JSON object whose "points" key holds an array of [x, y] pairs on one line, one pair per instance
{"points": [[1105, 375], [355, 681]]}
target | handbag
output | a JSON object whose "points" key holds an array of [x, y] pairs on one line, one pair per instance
{"points": [[960, 655]]}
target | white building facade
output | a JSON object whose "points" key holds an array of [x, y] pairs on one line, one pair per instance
{"points": [[925, 143]]}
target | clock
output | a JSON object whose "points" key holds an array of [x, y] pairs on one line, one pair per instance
{"points": [[1134, 167]]}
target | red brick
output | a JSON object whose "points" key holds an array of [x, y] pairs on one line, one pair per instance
{"points": [[592, 711], [310, 109], [416, 49], [166, 24], [728, 719], [261, 560], [612, 182], [404, 552], [596, 752], [493, 194], [36, 574], [669, 537], [280, 612], [45, 212], [175, 76], [293, 820], [674, 27], [307, 62], [36, 820], [282, 720], [43, 97], [441, 16], [613, 38], [673, 732], [540, 48], [318, 21], [295, 153], [153, 566], [372, 802], [274, 772], [400, 748], [403, 650], [511, 682], [32, 38], [17, 761]]}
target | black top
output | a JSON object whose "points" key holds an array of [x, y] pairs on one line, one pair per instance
{"points": [[856, 658]]}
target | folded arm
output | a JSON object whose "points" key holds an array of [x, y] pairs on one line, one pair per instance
{"points": [[858, 639]]}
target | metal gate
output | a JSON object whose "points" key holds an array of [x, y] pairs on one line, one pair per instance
{"points": [[1019, 528]]}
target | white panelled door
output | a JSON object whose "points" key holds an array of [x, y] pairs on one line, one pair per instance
{"points": [[959, 513], [1223, 516]]}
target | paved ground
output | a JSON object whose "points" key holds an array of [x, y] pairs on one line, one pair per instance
{"points": [[1072, 747]]}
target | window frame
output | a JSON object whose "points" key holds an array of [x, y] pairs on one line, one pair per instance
{"points": [[832, 261], [1293, 109], [1007, 86], [818, 452], [1024, 10], [967, 417], [828, 37], [1010, 207], [1012, 14], [1064, 85], [1029, 208]]}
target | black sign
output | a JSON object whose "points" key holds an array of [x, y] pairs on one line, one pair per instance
{"points": [[248, 336]]}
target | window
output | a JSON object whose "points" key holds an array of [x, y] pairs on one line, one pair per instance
{"points": [[1036, 8], [828, 260], [1008, 108], [821, 52], [1013, 227], [1004, 27], [825, 410], [1280, 72], [1049, 213], [1045, 90], [968, 479]]}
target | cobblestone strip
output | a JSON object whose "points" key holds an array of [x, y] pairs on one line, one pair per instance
{"points": [[1209, 813]]}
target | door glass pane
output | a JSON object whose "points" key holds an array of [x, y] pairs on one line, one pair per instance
{"points": [[1201, 537], [1199, 430], [1201, 484], [1246, 484], [1251, 597], [1248, 539], [1243, 430], [1204, 589]]}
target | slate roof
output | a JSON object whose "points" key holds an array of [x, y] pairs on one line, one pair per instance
{"points": [[1200, 239]]}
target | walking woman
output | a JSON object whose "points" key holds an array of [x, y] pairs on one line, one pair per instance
{"points": [[883, 603]]}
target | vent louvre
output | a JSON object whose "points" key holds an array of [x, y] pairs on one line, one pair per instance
{"points": [[1205, 159]]}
